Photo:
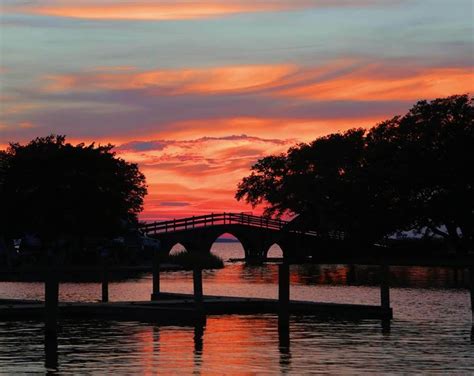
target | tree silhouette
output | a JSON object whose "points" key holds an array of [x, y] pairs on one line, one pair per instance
{"points": [[52, 188], [410, 172], [423, 162]]}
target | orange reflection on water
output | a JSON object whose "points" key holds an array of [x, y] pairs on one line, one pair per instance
{"points": [[316, 275], [240, 338], [162, 347], [146, 340], [228, 341]]}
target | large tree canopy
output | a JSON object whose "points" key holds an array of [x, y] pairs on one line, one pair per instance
{"points": [[410, 172], [53, 188]]}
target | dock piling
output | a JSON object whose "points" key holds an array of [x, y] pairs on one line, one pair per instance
{"points": [[105, 283], [284, 286], [155, 294], [197, 285], [51, 300], [384, 286]]}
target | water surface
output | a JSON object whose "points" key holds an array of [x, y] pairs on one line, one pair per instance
{"points": [[431, 330]]}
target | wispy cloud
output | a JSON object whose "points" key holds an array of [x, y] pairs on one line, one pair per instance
{"points": [[159, 10], [353, 80], [174, 203], [119, 103], [375, 83], [159, 145], [260, 100], [174, 81]]}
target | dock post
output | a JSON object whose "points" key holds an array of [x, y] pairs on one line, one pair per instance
{"points": [[155, 294], [197, 284], [284, 286], [385, 298], [384, 286], [105, 283], [51, 301]]}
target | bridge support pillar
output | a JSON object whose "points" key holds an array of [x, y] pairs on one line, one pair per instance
{"points": [[256, 247]]}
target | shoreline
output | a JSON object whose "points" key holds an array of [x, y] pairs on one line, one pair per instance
{"points": [[81, 274], [116, 273], [464, 261]]}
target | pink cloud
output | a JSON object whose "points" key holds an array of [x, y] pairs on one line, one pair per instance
{"points": [[202, 174]]}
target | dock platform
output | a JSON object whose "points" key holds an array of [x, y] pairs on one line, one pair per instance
{"points": [[181, 309]]}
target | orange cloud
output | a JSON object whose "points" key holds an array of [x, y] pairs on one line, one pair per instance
{"points": [[189, 174], [176, 81], [157, 10], [370, 84], [293, 129], [339, 80], [196, 176]]}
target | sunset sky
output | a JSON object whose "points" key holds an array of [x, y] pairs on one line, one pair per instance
{"points": [[197, 91]]}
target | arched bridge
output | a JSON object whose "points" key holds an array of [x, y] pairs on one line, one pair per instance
{"points": [[256, 234]]}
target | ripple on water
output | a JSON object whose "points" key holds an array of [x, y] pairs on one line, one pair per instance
{"points": [[431, 332]]}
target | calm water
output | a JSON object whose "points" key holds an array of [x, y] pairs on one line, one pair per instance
{"points": [[431, 331]]}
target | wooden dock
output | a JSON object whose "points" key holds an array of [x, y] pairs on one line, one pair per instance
{"points": [[182, 309]]}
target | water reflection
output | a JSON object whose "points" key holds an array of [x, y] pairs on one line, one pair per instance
{"points": [[198, 336], [351, 275], [428, 303], [239, 344], [244, 280], [363, 275], [198, 345], [51, 351], [284, 342], [386, 326], [152, 349], [156, 340]]}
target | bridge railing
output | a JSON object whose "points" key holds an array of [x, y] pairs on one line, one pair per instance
{"points": [[212, 220]]}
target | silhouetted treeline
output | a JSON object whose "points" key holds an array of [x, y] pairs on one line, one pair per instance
{"points": [[411, 172], [53, 193]]}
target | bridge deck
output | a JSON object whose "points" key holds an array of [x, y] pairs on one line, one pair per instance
{"points": [[180, 309], [216, 219]]}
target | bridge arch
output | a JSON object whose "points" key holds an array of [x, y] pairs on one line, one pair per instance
{"points": [[232, 248], [275, 251], [176, 248]]}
